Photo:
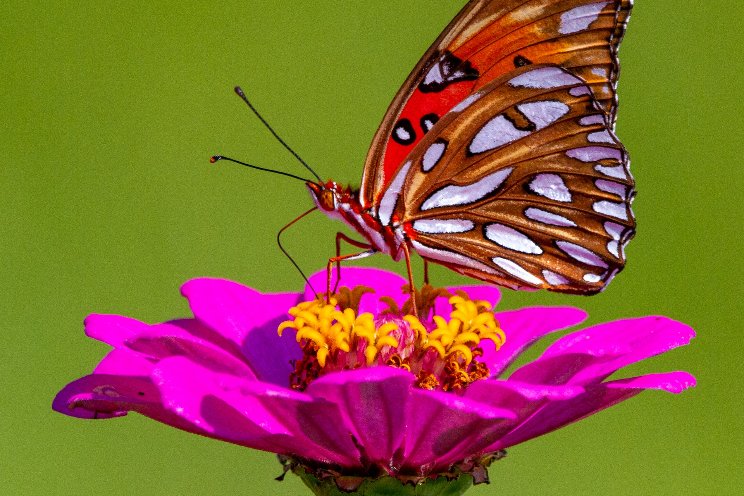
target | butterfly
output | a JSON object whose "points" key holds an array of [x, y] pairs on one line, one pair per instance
{"points": [[497, 158]]}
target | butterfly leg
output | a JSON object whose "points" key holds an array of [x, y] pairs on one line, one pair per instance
{"points": [[426, 271], [359, 244], [338, 260], [411, 286]]}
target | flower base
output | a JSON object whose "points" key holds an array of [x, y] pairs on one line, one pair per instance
{"points": [[384, 486]]}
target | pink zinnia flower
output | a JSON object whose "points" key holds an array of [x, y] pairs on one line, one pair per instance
{"points": [[364, 391]]}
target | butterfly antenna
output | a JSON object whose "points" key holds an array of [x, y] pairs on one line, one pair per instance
{"points": [[217, 158], [241, 94], [286, 253]]}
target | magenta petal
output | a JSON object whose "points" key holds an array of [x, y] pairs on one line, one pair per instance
{"points": [[519, 397], [121, 361], [370, 401], [597, 397], [523, 328], [255, 414], [443, 428], [112, 329], [593, 354], [99, 396], [166, 340], [383, 282], [671, 382], [248, 319]]}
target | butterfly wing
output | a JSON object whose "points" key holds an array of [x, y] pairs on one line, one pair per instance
{"points": [[487, 39], [523, 184]]}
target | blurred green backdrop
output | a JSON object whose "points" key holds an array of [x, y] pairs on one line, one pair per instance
{"points": [[109, 114]]}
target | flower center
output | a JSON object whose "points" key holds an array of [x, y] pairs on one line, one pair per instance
{"points": [[441, 352]]}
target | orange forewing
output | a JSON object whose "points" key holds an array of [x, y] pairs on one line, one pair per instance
{"points": [[490, 38]]}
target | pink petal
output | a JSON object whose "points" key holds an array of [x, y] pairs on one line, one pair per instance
{"points": [[112, 329], [671, 382], [166, 340], [255, 414], [370, 402], [523, 328], [597, 397], [383, 282], [121, 361], [519, 397], [101, 396], [248, 319], [593, 354], [444, 428]]}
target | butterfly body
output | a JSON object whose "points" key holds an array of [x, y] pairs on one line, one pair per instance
{"points": [[498, 158], [343, 204]]}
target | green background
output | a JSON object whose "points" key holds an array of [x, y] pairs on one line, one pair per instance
{"points": [[109, 114]]}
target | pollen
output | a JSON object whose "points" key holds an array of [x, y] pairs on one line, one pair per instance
{"points": [[442, 352]]}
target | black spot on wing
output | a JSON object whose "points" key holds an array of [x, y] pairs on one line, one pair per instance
{"points": [[446, 70], [403, 132], [428, 121], [521, 61]]}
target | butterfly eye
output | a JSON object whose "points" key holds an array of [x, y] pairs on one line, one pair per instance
{"points": [[327, 200]]}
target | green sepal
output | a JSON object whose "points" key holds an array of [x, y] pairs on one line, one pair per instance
{"points": [[384, 486]]}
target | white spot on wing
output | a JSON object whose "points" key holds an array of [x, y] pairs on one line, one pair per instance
{"points": [[450, 257], [433, 154], [402, 134], [590, 120], [613, 209], [544, 78], [512, 239], [613, 248], [592, 278], [548, 218], [580, 91], [543, 114], [600, 137], [390, 198], [579, 18], [550, 186], [466, 102], [471, 193], [581, 254], [434, 75], [517, 270], [612, 187], [554, 279], [495, 133], [443, 226], [595, 153], [617, 172], [614, 230], [599, 71]]}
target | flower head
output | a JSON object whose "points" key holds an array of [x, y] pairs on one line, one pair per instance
{"points": [[357, 387]]}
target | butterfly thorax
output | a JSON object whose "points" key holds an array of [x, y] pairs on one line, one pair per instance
{"points": [[342, 203]]}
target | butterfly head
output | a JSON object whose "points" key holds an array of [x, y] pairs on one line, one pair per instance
{"points": [[327, 196]]}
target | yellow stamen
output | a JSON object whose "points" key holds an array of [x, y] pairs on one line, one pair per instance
{"points": [[466, 352], [335, 337], [370, 354], [437, 346], [387, 341]]}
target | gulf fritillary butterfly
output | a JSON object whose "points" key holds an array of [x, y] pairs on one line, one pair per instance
{"points": [[497, 157]]}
